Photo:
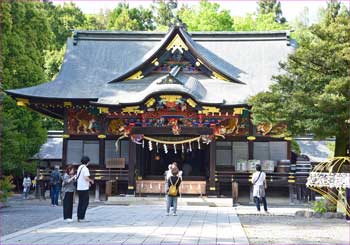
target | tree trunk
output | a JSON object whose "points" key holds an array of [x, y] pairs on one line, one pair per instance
{"points": [[340, 145]]}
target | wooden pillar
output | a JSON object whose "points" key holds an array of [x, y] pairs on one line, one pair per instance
{"points": [[131, 174], [102, 153], [250, 149], [289, 150], [64, 152], [65, 141], [251, 142], [97, 191], [212, 160]]}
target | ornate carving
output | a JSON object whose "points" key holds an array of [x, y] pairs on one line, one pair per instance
{"points": [[177, 44], [82, 121]]}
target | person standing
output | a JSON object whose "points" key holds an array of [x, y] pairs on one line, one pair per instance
{"points": [[26, 186], [55, 179], [84, 182], [259, 186], [173, 191], [68, 189]]}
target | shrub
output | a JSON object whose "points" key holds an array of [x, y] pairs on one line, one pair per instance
{"points": [[6, 187], [320, 206]]}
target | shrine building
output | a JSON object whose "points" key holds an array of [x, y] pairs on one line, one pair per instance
{"points": [[135, 102]]}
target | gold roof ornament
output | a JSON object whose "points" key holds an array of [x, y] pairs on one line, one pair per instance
{"points": [[150, 102], [137, 76], [191, 102], [171, 98], [67, 104], [238, 111], [22, 102], [132, 109], [218, 76], [103, 109], [210, 109], [177, 43]]}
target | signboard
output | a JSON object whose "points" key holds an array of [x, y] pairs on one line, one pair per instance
{"points": [[115, 163]]}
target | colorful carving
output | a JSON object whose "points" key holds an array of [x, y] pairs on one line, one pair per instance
{"points": [[83, 121], [116, 126], [267, 128]]}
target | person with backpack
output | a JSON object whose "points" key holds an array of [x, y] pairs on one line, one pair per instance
{"points": [[83, 184], [55, 179], [259, 186], [173, 190], [26, 186]]}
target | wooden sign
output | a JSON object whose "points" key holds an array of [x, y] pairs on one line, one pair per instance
{"points": [[115, 163]]}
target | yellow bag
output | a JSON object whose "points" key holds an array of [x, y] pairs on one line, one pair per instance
{"points": [[172, 189]]}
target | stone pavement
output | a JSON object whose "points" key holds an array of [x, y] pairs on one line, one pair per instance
{"points": [[140, 225]]}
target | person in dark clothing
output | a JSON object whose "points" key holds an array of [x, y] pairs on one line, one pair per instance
{"points": [[55, 179], [68, 189], [173, 190]]}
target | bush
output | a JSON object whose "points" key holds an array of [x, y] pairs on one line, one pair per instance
{"points": [[6, 187], [320, 206]]}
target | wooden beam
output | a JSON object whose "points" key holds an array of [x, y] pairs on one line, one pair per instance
{"points": [[168, 131]]}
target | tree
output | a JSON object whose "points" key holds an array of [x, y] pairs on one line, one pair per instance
{"points": [[271, 7], [162, 14], [313, 96], [261, 22], [206, 17], [26, 34], [130, 19]]}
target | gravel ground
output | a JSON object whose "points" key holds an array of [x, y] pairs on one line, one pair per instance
{"points": [[20, 214], [287, 229]]}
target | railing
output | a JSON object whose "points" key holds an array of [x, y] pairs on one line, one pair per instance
{"points": [[97, 174], [273, 178]]}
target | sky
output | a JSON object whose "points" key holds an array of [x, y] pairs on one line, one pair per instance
{"points": [[290, 8]]}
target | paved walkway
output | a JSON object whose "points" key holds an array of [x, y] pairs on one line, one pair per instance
{"points": [[139, 225]]}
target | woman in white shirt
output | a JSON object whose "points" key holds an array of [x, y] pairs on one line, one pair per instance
{"points": [[259, 186]]}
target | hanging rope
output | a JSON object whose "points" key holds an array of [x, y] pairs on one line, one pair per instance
{"points": [[171, 142]]}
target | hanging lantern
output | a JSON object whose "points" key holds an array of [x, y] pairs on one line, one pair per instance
{"points": [[150, 145], [157, 158], [175, 149], [183, 148], [165, 149]]}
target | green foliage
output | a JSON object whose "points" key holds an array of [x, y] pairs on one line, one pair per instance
{"points": [[295, 146], [63, 19], [271, 7], [312, 96], [206, 17], [261, 22], [6, 187], [125, 18], [320, 206], [26, 34], [162, 15]]}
